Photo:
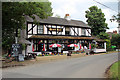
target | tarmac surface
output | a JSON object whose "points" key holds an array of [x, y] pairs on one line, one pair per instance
{"points": [[93, 66]]}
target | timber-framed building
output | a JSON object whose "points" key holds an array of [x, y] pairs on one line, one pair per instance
{"points": [[52, 30]]}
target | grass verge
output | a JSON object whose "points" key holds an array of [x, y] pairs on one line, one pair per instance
{"points": [[113, 73]]}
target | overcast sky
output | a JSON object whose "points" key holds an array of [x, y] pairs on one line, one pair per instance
{"points": [[77, 8]]}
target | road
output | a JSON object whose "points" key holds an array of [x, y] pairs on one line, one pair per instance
{"points": [[93, 66]]}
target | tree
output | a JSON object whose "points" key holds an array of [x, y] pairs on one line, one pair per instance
{"points": [[108, 44], [103, 35], [13, 17], [58, 16], [116, 18], [96, 19], [115, 39]]}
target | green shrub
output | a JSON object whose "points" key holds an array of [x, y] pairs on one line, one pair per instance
{"points": [[93, 46]]}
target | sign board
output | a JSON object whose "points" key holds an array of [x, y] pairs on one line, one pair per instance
{"points": [[16, 49], [56, 29], [20, 57]]}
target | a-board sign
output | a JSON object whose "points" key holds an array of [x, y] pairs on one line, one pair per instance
{"points": [[20, 57], [16, 49]]}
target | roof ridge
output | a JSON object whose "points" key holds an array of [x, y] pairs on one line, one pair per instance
{"points": [[59, 21]]}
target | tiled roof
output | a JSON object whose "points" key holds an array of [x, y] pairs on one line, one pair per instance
{"points": [[58, 21]]}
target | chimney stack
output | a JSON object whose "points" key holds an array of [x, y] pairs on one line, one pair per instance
{"points": [[67, 16]]}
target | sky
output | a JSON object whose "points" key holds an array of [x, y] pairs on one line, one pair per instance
{"points": [[77, 8]]}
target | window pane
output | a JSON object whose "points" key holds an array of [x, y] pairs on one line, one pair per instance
{"points": [[40, 29], [83, 32]]}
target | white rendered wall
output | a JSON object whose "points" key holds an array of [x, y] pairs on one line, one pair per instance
{"points": [[105, 45], [79, 31], [99, 50], [60, 27], [35, 29], [54, 32], [63, 33], [45, 29], [49, 26], [76, 31], [72, 32], [88, 32], [29, 27]]}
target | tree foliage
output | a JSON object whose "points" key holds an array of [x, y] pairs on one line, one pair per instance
{"points": [[103, 35], [96, 19], [115, 39], [108, 44], [115, 18], [13, 17], [58, 16]]}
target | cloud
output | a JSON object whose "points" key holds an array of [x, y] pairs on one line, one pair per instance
{"points": [[107, 0], [65, 6], [108, 15], [77, 8]]}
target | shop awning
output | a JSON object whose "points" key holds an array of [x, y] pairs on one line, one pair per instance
{"points": [[59, 37]]}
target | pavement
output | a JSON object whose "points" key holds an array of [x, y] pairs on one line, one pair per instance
{"points": [[93, 66], [8, 63]]}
